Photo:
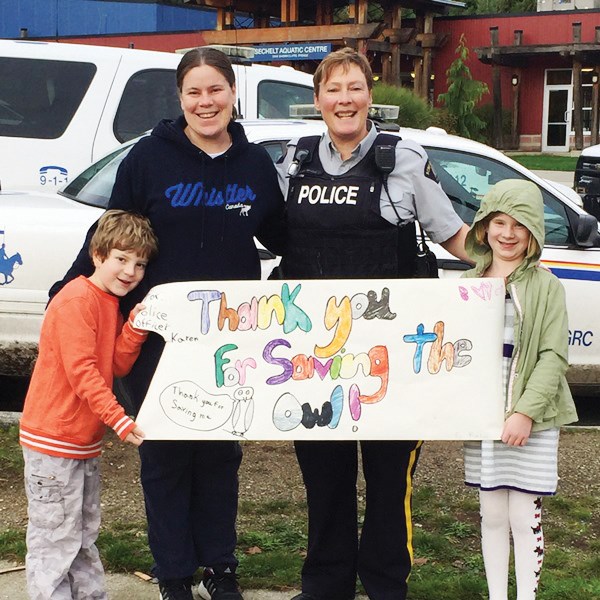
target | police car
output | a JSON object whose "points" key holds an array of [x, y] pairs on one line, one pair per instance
{"points": [[41, 233]]}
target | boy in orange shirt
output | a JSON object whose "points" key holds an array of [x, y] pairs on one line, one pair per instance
{"points": [[83, 344]]}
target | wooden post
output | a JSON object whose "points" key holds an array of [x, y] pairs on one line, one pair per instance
{"points": [[594, 121], [395, 57], [577, 106], [324, 15], [352, 11], [293, 14], [229, 18], [427, 55], [261, 19], [496, 94], [220, 19], [418, 62], [515, 82], [289, 12], [362, 7], [362, 11]]}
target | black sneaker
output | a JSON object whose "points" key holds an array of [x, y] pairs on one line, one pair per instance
{"points": [[219, 586], [176, 589]]}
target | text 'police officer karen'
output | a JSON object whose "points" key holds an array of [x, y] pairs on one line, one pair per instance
{"points": [[342, 224]]}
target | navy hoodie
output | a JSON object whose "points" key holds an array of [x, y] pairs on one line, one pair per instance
{"points": [[204, 211]]}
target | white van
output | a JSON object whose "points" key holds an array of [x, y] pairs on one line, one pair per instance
{"points": [[63, 106]]}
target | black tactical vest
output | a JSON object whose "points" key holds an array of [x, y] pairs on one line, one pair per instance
{"points": [[336, 230]]}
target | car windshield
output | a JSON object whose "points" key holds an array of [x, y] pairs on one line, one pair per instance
{"points": [[94, 186]]}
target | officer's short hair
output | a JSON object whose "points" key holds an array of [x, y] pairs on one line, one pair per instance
{"points": [[346, 57]]}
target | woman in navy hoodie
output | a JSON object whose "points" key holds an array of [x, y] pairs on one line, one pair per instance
{"points": [[207, 192]]}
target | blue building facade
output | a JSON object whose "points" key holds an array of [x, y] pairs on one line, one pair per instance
{"points": [[63, 18]]}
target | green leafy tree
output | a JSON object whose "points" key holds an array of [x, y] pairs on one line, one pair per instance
{"points": [[463, 94]]}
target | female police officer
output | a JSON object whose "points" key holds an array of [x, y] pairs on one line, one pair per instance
{"points": [[360, 234]]}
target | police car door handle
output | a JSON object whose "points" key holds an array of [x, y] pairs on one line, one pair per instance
{"points": [[453, 265]]}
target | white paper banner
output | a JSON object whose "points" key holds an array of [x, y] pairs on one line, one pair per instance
{"points": [[326, 360]]}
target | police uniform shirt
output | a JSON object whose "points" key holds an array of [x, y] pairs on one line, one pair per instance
{"points": [[411, 184]]}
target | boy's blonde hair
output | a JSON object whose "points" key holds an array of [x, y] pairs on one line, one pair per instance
{"points": [[480, 233], [346, 57], [123, 230]]}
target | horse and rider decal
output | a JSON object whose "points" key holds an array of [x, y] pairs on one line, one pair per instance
{"points": [[7, 265]]}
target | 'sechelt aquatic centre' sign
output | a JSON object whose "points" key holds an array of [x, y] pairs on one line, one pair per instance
{"points": [[304, 51]]}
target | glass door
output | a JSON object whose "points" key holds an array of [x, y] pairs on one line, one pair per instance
{"points": [[558, 101]]}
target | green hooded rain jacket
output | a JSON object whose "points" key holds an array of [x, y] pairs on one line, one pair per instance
{"points": [[537, 385]]}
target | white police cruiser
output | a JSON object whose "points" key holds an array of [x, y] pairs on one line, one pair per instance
{"points": [[40, 235]]}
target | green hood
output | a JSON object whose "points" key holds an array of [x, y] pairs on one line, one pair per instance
{"points": [[522, 200]]}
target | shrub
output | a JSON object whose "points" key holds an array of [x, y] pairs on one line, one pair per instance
{"points": [[485, 112], [414, 111]]}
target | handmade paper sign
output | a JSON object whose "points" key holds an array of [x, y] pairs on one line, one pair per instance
{"points": [[326, 360]]}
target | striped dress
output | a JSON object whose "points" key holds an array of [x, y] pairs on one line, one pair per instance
{"points": [[492, 465]]}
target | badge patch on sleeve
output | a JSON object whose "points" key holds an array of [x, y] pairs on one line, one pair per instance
{"points": [[429, 172]]}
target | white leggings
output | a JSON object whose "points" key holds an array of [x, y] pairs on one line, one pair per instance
{"points": [[502, 512]]}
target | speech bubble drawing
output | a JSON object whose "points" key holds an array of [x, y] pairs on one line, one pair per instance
{"points": [[188, 405]]}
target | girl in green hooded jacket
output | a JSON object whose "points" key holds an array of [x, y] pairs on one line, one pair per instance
{"points": [[506, 240]]}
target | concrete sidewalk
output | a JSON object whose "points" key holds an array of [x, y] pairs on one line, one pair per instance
{"points": [[119, 587], [122, 587]]}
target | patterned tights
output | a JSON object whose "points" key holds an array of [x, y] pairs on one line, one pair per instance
{"points": [[503, 512]]}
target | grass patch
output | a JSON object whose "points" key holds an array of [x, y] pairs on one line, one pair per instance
{"points": [[545, 162], [11, 456], [278, 569], [276, 535], [12, 545], [124, 548]]}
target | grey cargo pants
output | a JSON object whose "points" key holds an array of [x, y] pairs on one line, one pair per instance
{"points": [[64, 517]]}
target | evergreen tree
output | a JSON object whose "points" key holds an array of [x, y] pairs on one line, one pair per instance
{"points": [[463, 94]]}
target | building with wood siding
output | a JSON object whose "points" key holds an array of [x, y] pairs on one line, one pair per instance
{"points": [[542, 67]]}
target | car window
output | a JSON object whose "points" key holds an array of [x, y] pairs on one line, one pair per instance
{"points": [[466, 178], [38, 98], [148, 97], [275, 148], [276, 97], [94, 186]]}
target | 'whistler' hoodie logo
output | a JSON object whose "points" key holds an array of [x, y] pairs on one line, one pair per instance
{"points": [[195, 194]]}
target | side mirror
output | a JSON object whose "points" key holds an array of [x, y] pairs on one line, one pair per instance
{"points": [[586, 231]]}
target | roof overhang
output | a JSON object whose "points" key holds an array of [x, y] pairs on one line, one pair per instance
{"points": [[517, 56]]}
